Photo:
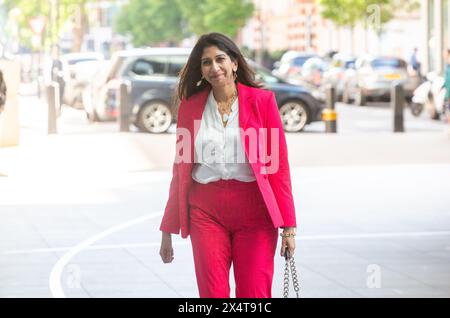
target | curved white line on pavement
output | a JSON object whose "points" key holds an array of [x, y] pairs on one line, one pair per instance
{"points": [[57, 270], [94, 247]]}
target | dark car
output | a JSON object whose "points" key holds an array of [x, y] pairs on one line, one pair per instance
{"points": [[153, 74], [298, 107]]}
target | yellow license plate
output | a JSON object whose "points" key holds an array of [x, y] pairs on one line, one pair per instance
{"points": [[392, 76]]}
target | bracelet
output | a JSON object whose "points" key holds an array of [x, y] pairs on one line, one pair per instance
{"points": [[287, 234]]}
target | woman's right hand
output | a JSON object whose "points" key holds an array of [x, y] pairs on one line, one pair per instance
{"points": [[166, 250]]}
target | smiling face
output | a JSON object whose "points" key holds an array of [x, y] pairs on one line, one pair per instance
{"points": [[217, 67]]}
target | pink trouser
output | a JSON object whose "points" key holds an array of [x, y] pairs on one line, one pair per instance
{"points": [[230, 224]]}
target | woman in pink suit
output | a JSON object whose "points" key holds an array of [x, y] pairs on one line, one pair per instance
{"points": [[231, 185]]}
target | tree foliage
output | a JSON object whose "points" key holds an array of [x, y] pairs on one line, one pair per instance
{"points": [[225, 16], [350, 12], [31, 9], [372, 13], [153, 21]]}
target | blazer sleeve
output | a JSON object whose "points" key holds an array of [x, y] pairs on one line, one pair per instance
{"points": [[280, 179], [171, 219]]}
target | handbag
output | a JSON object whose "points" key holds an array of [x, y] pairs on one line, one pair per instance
{"points": [[290, 264]]}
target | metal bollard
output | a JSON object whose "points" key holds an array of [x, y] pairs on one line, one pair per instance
{"points": [[124, 110], [62, 85], [329, 115], [53, 106], [397, 104]]}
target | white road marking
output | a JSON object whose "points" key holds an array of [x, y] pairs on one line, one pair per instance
{"points": [[94, 247], [182, 243], [57, 270]]}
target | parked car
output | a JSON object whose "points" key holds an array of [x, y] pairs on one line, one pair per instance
{"points": [[291, 63], [313, 70], [153, 74], [298, 107], [90, 94], [373, 78], [77, 70], [335, 75]]}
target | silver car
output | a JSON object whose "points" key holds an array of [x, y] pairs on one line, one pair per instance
{"points": [[77, 70], [291, 64], [372, 77]]}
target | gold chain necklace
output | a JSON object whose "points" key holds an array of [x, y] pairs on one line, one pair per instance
{"points": [[225, 110]]}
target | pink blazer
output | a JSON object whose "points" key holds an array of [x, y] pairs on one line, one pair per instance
{"points": [[257, 110]]}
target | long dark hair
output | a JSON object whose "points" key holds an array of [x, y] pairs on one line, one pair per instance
{"points": [[191, 72]]}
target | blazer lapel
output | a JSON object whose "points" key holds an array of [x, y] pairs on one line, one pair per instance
{"points": [[246, 105], [249, 118], [194, 110]]}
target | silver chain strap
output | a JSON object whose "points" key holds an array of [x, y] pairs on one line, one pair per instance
{"points": [[290, 262]]}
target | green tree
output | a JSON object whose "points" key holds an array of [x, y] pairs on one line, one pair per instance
{"points": [[155, 21], [151, 22], [348, 13], [55, 14], [225, 16]]}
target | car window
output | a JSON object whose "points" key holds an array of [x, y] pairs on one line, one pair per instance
{"points": [[152, 65], [397, 63], [299, 61], [265, 76], [176, 63], [76, 61], [349, 64]]}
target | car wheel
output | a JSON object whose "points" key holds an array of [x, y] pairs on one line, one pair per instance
{"points": [[294, 115], [360, 98], [431, 108], [416, 109], [154, 117]]}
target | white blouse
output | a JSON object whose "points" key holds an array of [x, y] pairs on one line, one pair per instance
{"points": [[219, 153]]}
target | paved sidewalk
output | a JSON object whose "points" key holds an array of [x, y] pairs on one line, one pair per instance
{"points": [[367, 231], [114, 151], [79, 215]]}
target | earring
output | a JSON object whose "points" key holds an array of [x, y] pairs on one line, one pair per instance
{"points": [[234, 75], [200, 81]]}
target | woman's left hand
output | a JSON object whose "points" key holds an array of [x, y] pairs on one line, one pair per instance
{"points": [[288, 242]]}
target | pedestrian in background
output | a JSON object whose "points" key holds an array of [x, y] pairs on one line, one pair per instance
{"points": [[414, 62], [231, 208]]}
